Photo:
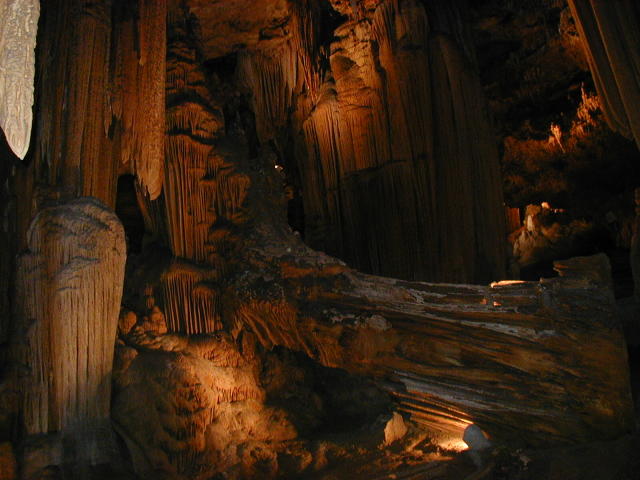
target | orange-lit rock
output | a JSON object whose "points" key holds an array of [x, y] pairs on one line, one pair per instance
{"points": [[70, 288], [240, 351], [142, 73], [609, 33], [375, 129]]}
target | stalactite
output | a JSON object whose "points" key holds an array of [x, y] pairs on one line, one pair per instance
{"points": [[204, 193], [75, 151], [18, 29], [191, 299], [142, 71], [69, 286], [271, 80], [611, 39]]}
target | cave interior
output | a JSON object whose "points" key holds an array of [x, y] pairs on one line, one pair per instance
{"points": [[319, 239]]}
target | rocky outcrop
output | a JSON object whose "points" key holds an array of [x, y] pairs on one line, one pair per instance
{"points": [[516, 358], [141, 73], [191, 407]]}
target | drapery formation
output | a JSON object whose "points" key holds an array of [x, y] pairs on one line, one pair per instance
{"points": [[610, 33], [101, 99], [399, 170]]}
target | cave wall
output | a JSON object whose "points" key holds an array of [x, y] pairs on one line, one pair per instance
{"points": [[612, 45], [399, 169], [391, 106]]}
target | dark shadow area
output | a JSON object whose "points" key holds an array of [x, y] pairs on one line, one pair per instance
{"points": [[129, 213]]}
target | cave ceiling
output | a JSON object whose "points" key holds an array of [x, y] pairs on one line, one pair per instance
{"points": [[232, 25]]}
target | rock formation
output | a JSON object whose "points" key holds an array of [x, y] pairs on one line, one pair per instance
{"points": [[611, 40], [377, 124], [239, 350], [142, 73], [69, 286], [18, 29]]}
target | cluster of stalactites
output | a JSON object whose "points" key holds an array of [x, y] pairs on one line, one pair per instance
{"points": [[277, 78], [610, 33], [204, 191], [142, 73], [18, 29], [191, 299], [401, 176]]}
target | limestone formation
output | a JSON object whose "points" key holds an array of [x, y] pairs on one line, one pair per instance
{"points": [[142, 73], [392, 112], [75, 149], [69, 287], [514, 390], [610, 37], [18, 29], [239, 350], [189, 406]]}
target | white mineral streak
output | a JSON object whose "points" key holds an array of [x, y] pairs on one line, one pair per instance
{"points": [[69, 286], [18, 29]]}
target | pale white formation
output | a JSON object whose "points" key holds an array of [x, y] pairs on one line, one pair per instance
{"points": [[18, 29]]}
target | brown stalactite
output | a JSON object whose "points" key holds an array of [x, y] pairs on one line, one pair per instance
{"points": [[74, 153], [610, 33], [204, 194], [142, 71]]}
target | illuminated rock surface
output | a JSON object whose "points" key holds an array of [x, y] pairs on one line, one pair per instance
{"points": [[239, 350], [70, 287], [612, 43]]}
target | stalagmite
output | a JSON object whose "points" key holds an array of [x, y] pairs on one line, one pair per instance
{"points": [[610, 33], [69, 289], [18, 29]]}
